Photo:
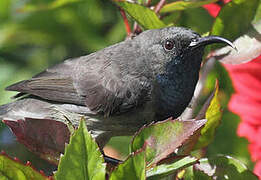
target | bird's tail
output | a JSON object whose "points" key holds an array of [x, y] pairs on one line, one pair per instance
{"points": [[4, 110], [27, 107]]}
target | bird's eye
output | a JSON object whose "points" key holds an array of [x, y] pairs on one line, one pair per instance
{"points": [[168, 45]]}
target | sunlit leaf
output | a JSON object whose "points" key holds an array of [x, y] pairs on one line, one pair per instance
{"points": [[183, 5], [82, 158], [213, 116], [14, 170], [162, 138], [222, 167], [132, 168], [164, 170], [143, 15]]}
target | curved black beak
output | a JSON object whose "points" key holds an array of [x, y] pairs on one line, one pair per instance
{"points": [[203, 41]]}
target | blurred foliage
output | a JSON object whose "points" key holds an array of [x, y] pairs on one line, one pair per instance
{"points": [[184, 5], [38, 34], [225, 23], [144, 16], [226, 140], [31, 40], [13, 169], [219, 167]]}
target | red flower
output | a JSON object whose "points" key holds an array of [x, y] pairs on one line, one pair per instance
{"points": [[246, 101], [213, 9], [257, 168]]}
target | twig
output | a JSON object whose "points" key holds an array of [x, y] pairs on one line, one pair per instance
{"points": [[159, 6], [125, 20]]}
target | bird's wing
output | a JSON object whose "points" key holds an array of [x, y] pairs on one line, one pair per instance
{"points": [[94, 80], [51, 88], [54, 84]]}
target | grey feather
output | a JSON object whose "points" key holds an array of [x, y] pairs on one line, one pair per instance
{"points": [[120, 88]]}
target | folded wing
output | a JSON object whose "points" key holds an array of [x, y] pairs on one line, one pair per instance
{"points": [[95, 81]]}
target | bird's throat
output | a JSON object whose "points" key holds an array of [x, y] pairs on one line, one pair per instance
{"points": [[174, 89]]}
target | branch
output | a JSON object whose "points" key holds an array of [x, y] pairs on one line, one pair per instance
{"points": [[125, 20], [159, 6]]}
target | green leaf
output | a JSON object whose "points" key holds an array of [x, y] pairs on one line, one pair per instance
{"points": [[258, 13], [164, 170], [82, 158], [162, 138], [141, 1], [213, 116], [173, 18], [248, 47], [188, 175], [235, 18], [147, 18], [222, 167], [132, 168], [31, 7], [11, 169], [197, 19], [200, 175], [5, 6], [183, 5]]}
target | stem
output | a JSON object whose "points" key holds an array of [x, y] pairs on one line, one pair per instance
{"points": [[125, 20], [159, 6]]}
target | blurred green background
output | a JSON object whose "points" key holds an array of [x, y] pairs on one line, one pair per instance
{"points": [[37, 34]]}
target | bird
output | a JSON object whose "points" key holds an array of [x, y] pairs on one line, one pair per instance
{"points": [[146, 78]]}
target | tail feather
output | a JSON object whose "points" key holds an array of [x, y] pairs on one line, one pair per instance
{"points": [[22, 108], [3, 110], [39, 109], [19, 86]]}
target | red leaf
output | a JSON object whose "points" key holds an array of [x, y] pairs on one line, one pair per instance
{"points": [[44, 137], [163, 138]]}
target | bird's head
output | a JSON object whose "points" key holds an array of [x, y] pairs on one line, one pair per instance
{"points": [[175, 47]]}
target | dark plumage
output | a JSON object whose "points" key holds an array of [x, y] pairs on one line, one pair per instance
{"points": [[118, 89]]}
